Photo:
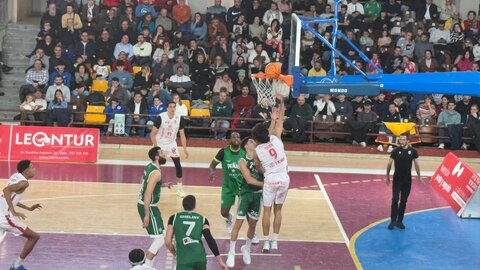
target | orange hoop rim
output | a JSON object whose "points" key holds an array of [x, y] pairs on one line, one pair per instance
{"points": [[259, 75]]}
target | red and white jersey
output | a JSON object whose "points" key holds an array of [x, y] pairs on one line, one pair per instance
{"points": [[272, 156], [16, 197], [142, 267], [167, 132]]}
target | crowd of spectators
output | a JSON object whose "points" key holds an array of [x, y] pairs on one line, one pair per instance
{"points": [[154, 51]]}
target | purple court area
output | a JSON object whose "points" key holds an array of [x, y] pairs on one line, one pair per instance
{"points": [[68, 251]]}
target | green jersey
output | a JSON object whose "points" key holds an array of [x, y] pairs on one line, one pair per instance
{"points": [[245, 187], [150, 168], [232, 177], [187, 229]]}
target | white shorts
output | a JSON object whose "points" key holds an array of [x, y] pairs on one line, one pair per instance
{"points": [[9, 223], [275, 189], [170, 149]]}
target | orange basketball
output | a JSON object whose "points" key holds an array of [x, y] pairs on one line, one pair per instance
{"points": [[273, 71]]}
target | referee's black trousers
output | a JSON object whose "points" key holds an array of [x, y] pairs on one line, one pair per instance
{"points": [[401, 190]]}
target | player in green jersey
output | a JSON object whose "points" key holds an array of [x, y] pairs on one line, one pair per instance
{"points": [[148, 200], [249, 203], [188, 227], [232, 177]]}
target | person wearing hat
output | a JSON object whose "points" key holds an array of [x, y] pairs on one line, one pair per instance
{"points": [[60, 71], [10, 219]]}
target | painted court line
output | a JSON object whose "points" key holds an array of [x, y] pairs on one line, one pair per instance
{"points": [[332, 209]]}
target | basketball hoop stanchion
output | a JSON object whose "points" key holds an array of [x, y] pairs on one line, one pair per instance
{"points": [[264, 83]]}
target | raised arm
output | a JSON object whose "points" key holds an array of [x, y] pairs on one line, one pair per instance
{"points": [[278, 117]]}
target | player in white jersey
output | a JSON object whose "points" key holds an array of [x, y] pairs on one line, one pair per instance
{"points": [[10, 218], [137, 260], [164, 134], [271, 155]]}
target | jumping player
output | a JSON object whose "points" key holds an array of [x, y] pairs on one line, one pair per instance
{"points": [[164, 134], [232, 177], [188, 227], [249, 203], [148, 200], [9, 217], [271, 155]]}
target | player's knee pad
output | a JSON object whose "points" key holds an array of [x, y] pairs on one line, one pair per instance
{"points": [[178, 167], [156, 244]]}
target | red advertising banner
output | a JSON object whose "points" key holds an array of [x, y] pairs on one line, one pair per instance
{"points": [[456, 182], [52, 143], [4, 141]]}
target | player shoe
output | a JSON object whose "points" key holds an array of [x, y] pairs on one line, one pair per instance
{"points": [[266, 246], [21, 267], [273, 244], [246, 255], [400, 225], [229, 223], [181, 193], [391, 225], [255, 240], [231, 259]]}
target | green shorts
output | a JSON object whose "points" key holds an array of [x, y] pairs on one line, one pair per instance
{"points": [[155, 227], [193, 266], [229, 192], [249, 204]]}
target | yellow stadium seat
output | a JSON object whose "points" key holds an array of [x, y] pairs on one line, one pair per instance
{"points": [[136, 70], [91, 117], [187, 103], [200, 112], [100, 85]]}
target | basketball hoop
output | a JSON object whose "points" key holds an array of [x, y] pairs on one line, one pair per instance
{"points": [[264, 83]]}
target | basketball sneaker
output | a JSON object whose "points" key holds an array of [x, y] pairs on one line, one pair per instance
{"points": [[229, 223], [255, 240], [231, 259], [181, 193], [273, 244], [400, 225], [266, 246], [246, 255], [21, 267], [391, 225]]}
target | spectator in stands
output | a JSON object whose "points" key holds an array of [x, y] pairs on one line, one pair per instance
{"points": [[365, 122], [259, 52], [163, 69], [115, 107], [69, 36], [160, 91], [471, 25], [37, 74], [155, 109], [53, 16], [40, 55], [223, 82], [221, 49], [426, 113], [453, 20], [181, 15], [428, 64], [116, 91], [221, 108], [164, 20], [194, 50], [218, 67], [129, 16], [142, 52], [28, 89], [181, 109], [122, 56], [45, 29], [60, 71], [166, 4], [180, 84], [159, 36], [300, 113], [77, 21], [451, 119], [239, 65], [402, 107], [82, 78], [181, 63], [216, 29], [440, 36], [464, 62], [427, 12], [256, 10], [138, 110], [354, 6], [256, 29], [144, 8], [58, 85], [85, 48], [234, 12], [108, 22], [41, 106], [442, 104], [47, 44], [343, 107], [392, 8], [239, 27], [407, 45], [217, 11], [198, 27], [201, 78], [372, 10], [143, 79], [324, 107], [447, 9], [271, 14], [123, 76], [274, 39], [317, 69], [125, 29], [163, 50], [422, 46], [124, 46], [28, 109], [104, 47], [463, 107], [58, 114], [262, 110], [90, 12], [146, 22], [244, 103], [183, 51], [380, 105], [473, 127]]}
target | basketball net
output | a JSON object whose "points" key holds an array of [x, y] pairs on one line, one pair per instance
{"points": [[264, 89]]}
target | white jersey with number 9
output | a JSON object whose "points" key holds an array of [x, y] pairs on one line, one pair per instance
{"points": [[272, 156]]}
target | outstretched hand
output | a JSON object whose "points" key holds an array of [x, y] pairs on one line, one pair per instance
{"points": [[274, 114], [35, 206]]}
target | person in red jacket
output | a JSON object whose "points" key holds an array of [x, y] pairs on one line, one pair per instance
{"points": [[168, 4], [243, 104]]}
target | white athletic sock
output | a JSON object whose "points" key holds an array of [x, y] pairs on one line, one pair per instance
{"points": [[248, 243], [179, 186], [275, 236], [149, 262], [232, 246], [266, 237], [18, 262]]}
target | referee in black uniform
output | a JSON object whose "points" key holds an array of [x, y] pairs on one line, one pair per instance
{"points": [[402, 179]]}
